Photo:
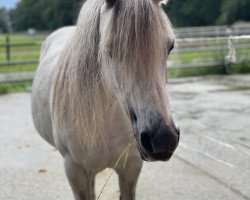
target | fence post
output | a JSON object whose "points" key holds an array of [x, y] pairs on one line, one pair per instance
{"points": [[8, 47], [227, 60]]}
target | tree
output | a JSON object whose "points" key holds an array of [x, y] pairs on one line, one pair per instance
{"points": [[5, 24], [45, 14], [205, 13], [233, 11], [192, 12], [51, 14]]}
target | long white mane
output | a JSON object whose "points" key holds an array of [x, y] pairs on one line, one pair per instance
{"points": [[134, 41]]}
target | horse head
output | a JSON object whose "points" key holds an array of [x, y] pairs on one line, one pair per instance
{"points": [[136, 38]]}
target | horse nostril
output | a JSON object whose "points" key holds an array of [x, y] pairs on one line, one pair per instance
{"points": [[146, 141], [133, 116]]}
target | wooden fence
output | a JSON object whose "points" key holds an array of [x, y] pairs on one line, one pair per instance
{"points": [[195, 48], [7, 49], [213, 31]]}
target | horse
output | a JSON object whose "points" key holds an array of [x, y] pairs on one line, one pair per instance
{"points": [[101, 84]]}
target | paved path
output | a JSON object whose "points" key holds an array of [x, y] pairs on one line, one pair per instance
{"points": [[212, 161]]}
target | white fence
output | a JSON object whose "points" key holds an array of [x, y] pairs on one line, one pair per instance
{"points": [[217, 46], [213, 31]]}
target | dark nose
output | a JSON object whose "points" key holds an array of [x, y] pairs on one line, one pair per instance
{"points": [[158, 140]]}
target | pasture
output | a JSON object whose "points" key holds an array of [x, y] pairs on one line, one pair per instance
{"points": [[211, 162], [206, 54], [190, 58], [202, 56], [23, 48]]}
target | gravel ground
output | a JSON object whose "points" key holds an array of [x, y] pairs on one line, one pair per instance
{"points": [[211, 162]]}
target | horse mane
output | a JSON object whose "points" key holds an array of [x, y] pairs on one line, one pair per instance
{"points": [[80, 96], [138, 38]]}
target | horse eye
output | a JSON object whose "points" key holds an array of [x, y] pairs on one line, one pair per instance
{"points": [[171, 48]]}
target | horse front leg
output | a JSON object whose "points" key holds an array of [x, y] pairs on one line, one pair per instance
{"points": [[81, 181], [128, 177]]}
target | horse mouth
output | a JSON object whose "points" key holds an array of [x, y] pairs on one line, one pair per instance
{"points": [[152, 157]]}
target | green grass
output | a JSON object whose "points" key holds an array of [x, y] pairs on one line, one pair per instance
{"points": [[21, 52], [182, 58], [6, 88], [17, 68], [32, 53], [22, 38], [195, 71], [20, 56], [207, 56], [202, 71], [242, 68]]}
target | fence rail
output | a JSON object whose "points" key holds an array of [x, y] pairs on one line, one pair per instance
{"points": [[18, 62], [195, 48], [213, 31], [17, 77]]}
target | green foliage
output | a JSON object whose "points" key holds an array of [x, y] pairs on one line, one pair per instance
{"points": [[192, 12], [195, 71], [234, 10], [44, 14], [205, 13], [51, 14], [6, 88], [4, 19]]}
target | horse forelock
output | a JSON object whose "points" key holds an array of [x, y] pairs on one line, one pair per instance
{"points": [[136, 40], [136, 31]]}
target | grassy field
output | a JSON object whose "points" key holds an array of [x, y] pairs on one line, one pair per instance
{"points": [[6, 88], [30, 51], [23, 47], [19, 53], [22, 38]]}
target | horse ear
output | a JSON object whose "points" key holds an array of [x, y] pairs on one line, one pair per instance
{"points": [[110, 2]]}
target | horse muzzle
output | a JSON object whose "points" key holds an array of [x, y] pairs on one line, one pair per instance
{"points": [[155, 139]]}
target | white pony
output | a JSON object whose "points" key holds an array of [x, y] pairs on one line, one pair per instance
{"points": [[101, 83]]}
